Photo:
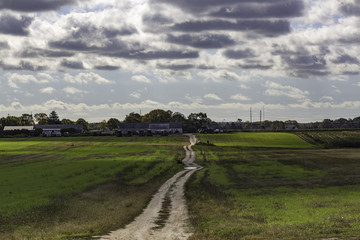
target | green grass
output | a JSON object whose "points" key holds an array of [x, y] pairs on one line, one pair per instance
{"points": [[274, 192], [48, 183], [258, 139]]}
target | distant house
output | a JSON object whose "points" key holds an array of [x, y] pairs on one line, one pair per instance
{"points": [[150, 128], [105, 132], [291, 127], [51, 132], [56, 129], [19, 128]]}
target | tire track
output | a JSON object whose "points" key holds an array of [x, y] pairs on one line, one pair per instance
{"points": [[174, 216]]}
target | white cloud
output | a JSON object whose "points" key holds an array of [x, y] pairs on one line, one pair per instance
{"points": [[47, 90], [45, 76], [136, 95], [276, 89], [71, 90], [212, 96], [15, 79], [86, 78], [193, 100], [141, 78], [327, 98], [239, 97], [220, 76], [243, 86]]}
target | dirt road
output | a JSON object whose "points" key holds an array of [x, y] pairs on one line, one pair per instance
{"points": [[166, 215]]}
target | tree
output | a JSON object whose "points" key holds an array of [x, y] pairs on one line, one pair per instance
{"points": [[178, 117], [66, 121], [199, 120], [327, 123], [84, 123], [53, 118], [41, 118], [266, 124], [103, 125], [157, 116], [276, 125], [341, 123], [11, 121], [356, 122], [27, 119], [133, 118], [113, 123]]}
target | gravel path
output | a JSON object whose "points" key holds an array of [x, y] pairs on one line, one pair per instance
{"points": [[166, 215]]}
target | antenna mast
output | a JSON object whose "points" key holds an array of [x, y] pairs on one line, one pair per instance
{"points": [[250, 118], [263, 113]]}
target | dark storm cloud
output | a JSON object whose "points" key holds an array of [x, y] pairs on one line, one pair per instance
{"points": [[34, 52], [56, 54], [34, 5], [255, 66], [13, 26], [156, 19], [306, 65], [239, 54], [206, 67], [350, 9], [287, 9], [156, 23], [71, 45], [119, 49], [23, 65], [351, 39], [264, 27], [202, 41], [351, 72], [107, 67], [153, 55], [4, 45], [176, 67], [204, 5], [89, 38], [80, 45], [345, 59], [72, 64], [302, 63]]}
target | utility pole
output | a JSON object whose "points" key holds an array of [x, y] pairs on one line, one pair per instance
{"points": [[250, 118], [260, 117]]}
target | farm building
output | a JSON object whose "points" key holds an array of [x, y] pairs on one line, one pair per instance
{"points": [[150, 128], [19, 128], [56, 129], [77, 127], [51, 132]]}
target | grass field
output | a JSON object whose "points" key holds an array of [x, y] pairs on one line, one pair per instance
{"points": [[65, 188], [332, 139], [256, 139], [275, 190]]}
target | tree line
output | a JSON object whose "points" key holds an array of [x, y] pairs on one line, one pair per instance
{"points": [[194, 122], [190, 124]]}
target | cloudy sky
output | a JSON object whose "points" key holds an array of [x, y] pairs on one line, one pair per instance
{"points": [[97, 59]]}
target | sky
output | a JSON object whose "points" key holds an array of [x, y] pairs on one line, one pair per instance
{"points": [[101, 59]]}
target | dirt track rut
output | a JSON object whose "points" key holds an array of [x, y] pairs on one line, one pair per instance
{"points": [[174, 227]]}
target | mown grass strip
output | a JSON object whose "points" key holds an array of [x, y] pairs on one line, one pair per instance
{"points": [[258, 139]]}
